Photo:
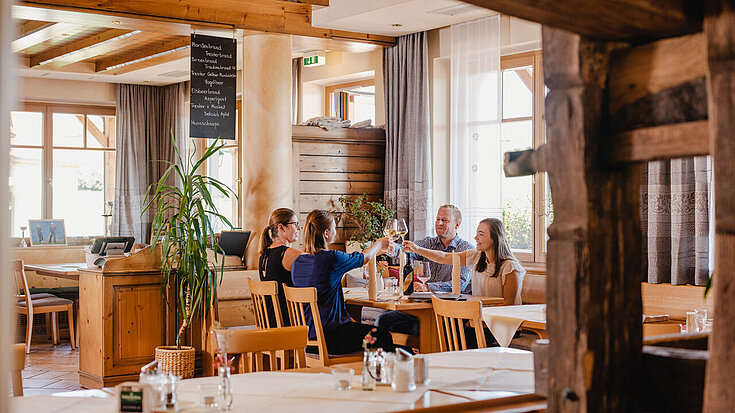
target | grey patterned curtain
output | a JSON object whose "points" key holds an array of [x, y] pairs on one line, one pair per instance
{"points": [[147, 116], [408, 188], [675, 220]]}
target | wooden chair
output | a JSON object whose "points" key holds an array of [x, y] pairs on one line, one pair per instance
{"points": [[260, 293], [250, 345], [17, 364], [297, 298], [450, 317], [30, 304]]}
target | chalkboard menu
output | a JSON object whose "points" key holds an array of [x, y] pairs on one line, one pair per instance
{"points": [[213, 87]]}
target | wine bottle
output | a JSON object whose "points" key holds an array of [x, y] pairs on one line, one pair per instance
{"points": [[408, 276]]}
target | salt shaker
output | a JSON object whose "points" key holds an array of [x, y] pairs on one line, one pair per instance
{"points": [[403, 372]]}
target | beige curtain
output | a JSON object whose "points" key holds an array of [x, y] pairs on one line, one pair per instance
{"points": [[408, 187], [675, 220], [147, 119]]}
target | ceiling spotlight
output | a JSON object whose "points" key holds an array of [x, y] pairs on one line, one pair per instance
{"points": [[64, 34], [397, 25], [116, 22]]}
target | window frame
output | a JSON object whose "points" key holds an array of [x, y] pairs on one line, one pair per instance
{"points": [[47, 145], [202, 143], [329, 90], [533, 59]]}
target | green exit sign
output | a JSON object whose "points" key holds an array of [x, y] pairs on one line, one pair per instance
{"points": [[315, 60]]}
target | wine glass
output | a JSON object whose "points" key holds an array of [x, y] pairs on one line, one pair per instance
{"points": [[23, 229], [390, 230], [421, 269], [402, 229]]}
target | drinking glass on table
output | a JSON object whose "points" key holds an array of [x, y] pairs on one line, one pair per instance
{"points": [[421, 270]]}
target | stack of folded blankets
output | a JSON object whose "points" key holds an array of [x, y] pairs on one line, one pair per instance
{"points": [[332, 122]]}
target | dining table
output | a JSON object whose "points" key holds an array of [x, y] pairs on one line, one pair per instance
{"points": [[454, 377], [421, 309], [503, 321], [69, 271]]}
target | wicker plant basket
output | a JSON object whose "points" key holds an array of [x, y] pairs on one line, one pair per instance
{"points": [[179, 362]]}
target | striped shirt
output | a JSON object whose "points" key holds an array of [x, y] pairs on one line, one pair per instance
{"points": [[441, 274]]}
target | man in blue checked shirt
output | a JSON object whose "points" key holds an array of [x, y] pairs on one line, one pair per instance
{"points": [[448, 220]]}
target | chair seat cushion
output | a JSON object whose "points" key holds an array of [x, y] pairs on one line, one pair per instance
{"points": [[47, 302], [38, 296]]}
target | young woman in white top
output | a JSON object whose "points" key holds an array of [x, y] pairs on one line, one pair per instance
{"points": [[495, 271]]}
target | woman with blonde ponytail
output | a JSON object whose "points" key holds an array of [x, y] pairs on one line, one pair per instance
{"points": [[323, 269], [277, 255]]}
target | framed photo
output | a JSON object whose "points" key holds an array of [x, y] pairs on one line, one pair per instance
{"points": [[47, 232]]}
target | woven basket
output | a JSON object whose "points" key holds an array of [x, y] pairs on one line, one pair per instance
{"points": [[179, 362]]}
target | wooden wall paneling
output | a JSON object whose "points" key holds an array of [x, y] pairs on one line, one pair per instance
{"points": [[594, 311], [719, 30], [328, 202], [341, 187], [295, 168], [312, 163], [342, 162]]}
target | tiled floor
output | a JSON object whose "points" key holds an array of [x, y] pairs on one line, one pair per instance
{"points": [[50, 369]]}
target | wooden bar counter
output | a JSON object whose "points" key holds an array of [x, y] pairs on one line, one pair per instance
{"points": [[123, 316]]}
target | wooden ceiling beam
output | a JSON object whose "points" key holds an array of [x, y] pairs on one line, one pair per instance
{"points": [[82, 49], [272, 16], [315, 2], [153, 61], [34, 33], [148, 53], [626, 20]]}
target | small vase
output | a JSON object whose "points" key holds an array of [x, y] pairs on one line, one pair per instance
{"points": [[368, 380], [224, 389]]}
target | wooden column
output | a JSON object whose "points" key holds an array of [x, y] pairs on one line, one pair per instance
{"points": [[593, 263], [719, 29], [266, 148]]}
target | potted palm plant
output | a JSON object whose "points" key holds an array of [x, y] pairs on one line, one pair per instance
{"points": [[182, 225]]}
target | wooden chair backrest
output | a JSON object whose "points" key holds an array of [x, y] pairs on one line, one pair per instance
{"points": [[450, 318], [251, 344], [260, 293], [21, 282], [297, 299]]}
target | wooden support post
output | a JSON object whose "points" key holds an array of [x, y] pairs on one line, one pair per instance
{"points": [[719, 29], [594, 263]]}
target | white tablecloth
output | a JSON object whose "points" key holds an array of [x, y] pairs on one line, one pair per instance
{"points": [[503, 321], [473, 374]]}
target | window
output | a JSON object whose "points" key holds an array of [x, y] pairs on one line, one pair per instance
{"points": [[527, 209], [62, 165], [354, 101], [225, 166]]}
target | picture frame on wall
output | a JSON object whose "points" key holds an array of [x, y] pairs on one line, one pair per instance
{"points": [[49, 232]]}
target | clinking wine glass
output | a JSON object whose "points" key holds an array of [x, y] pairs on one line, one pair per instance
{"points": [[390, 230]]}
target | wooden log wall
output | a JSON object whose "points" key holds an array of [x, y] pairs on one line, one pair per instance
{"points": [[331, 164], [594, 261], [719, 31]]}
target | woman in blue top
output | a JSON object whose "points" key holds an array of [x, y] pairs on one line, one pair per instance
{"points": [[323, 269]]}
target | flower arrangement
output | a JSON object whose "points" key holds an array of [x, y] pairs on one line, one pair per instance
{"points": [[220, 360], [369, 340]]}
